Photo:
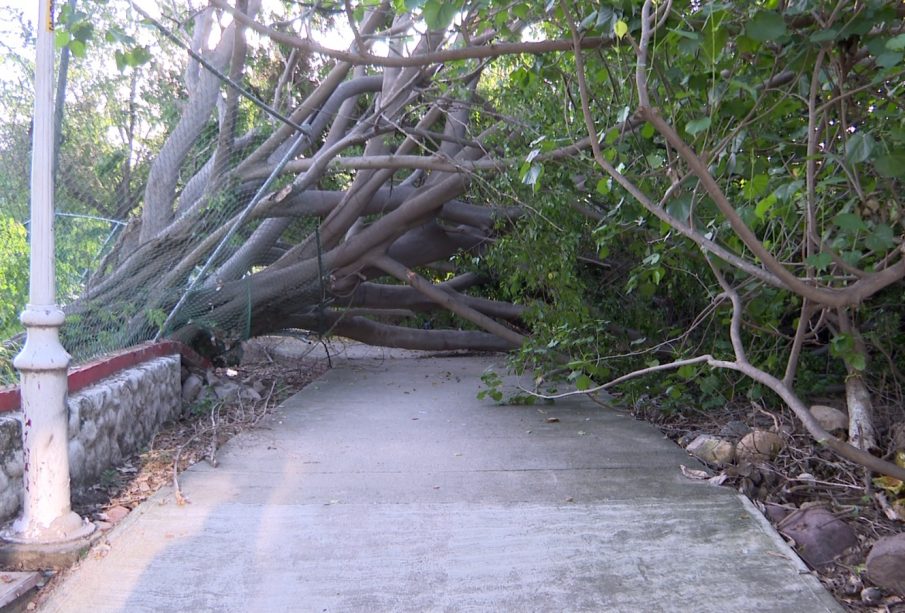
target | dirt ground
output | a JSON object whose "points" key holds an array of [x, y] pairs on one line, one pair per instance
{"points": [[802, 475]]}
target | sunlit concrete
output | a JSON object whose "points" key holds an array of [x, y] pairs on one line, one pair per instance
{"points": [[387, 486]]}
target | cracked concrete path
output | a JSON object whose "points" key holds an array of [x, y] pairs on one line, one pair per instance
{"points": [[387, 486]]}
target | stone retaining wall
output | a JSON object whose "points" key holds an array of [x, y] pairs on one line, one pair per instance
{"points": [[108, 421]]}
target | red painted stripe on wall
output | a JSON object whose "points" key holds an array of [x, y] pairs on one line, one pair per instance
{"points": [[86, 374]]}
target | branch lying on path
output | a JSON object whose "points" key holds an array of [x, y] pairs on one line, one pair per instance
{"points": [[632, 375], [741, 365], [464, 53]]}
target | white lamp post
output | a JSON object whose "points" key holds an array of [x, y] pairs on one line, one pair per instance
{"points": [[47, 516]]}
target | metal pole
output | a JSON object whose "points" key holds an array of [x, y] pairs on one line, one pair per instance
{"points": [[47, 516]]}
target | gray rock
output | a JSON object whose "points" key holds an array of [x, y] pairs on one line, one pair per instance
{"points": [[829, 418], [735, 429], [191, 388], [249, 393], [886, 563], [872, 595], [712, 449], [686, 439], [227, 390], [759, 446], [820, 537]]}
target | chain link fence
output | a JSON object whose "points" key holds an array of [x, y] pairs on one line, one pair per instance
{"points": [[148, 208]]}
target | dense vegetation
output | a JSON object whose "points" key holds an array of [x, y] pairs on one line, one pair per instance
{"points": [[705, 193]]}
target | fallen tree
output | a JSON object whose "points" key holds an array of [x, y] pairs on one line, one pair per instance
{"points": [[354, 202], [254, 233]]}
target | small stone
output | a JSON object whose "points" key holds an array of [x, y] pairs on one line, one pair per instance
{"points": [[886, 563], [686, 439], [853, 585], [759, 446], [735, 429], [103, 526], [249, 393], [820, 536], [115, 514], [871, 595], [711, 449], [829, 418], [227, 391], [191, 388]]}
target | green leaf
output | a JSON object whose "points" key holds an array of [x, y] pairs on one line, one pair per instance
{"points": [[61, 39], [605, 15], [820, 261], [647, 130], [688, 371], [603, 186], [787, 191], [841, 344], [695, 126], [889, 59], [756, 186], [852, 258], [766, 26], [77, 48], [764, 206], [881, 239], [849, 222], [620, 29], [856, 361], [859, 147], [680, 207], [892, 165], [687, 35], [438, 14], [82, 31], [589, 21], [715, 37], [736, 84], [896, 43], [824, 35], [583, 382], [655, 160]]}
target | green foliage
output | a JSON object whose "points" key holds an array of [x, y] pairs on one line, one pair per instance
{"points": [[707, 70], [13, 275]]}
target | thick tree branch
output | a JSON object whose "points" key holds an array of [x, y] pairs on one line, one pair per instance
{"points": [[490, 50], [447, 300]]}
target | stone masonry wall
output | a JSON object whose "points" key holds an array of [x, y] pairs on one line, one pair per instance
{"points": [[108, 421]]}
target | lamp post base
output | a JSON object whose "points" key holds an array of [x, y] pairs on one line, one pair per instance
{"points": [[52, 550], [68, 527]]}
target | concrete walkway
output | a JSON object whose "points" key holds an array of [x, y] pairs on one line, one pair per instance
{"points": [[386, 486]]}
